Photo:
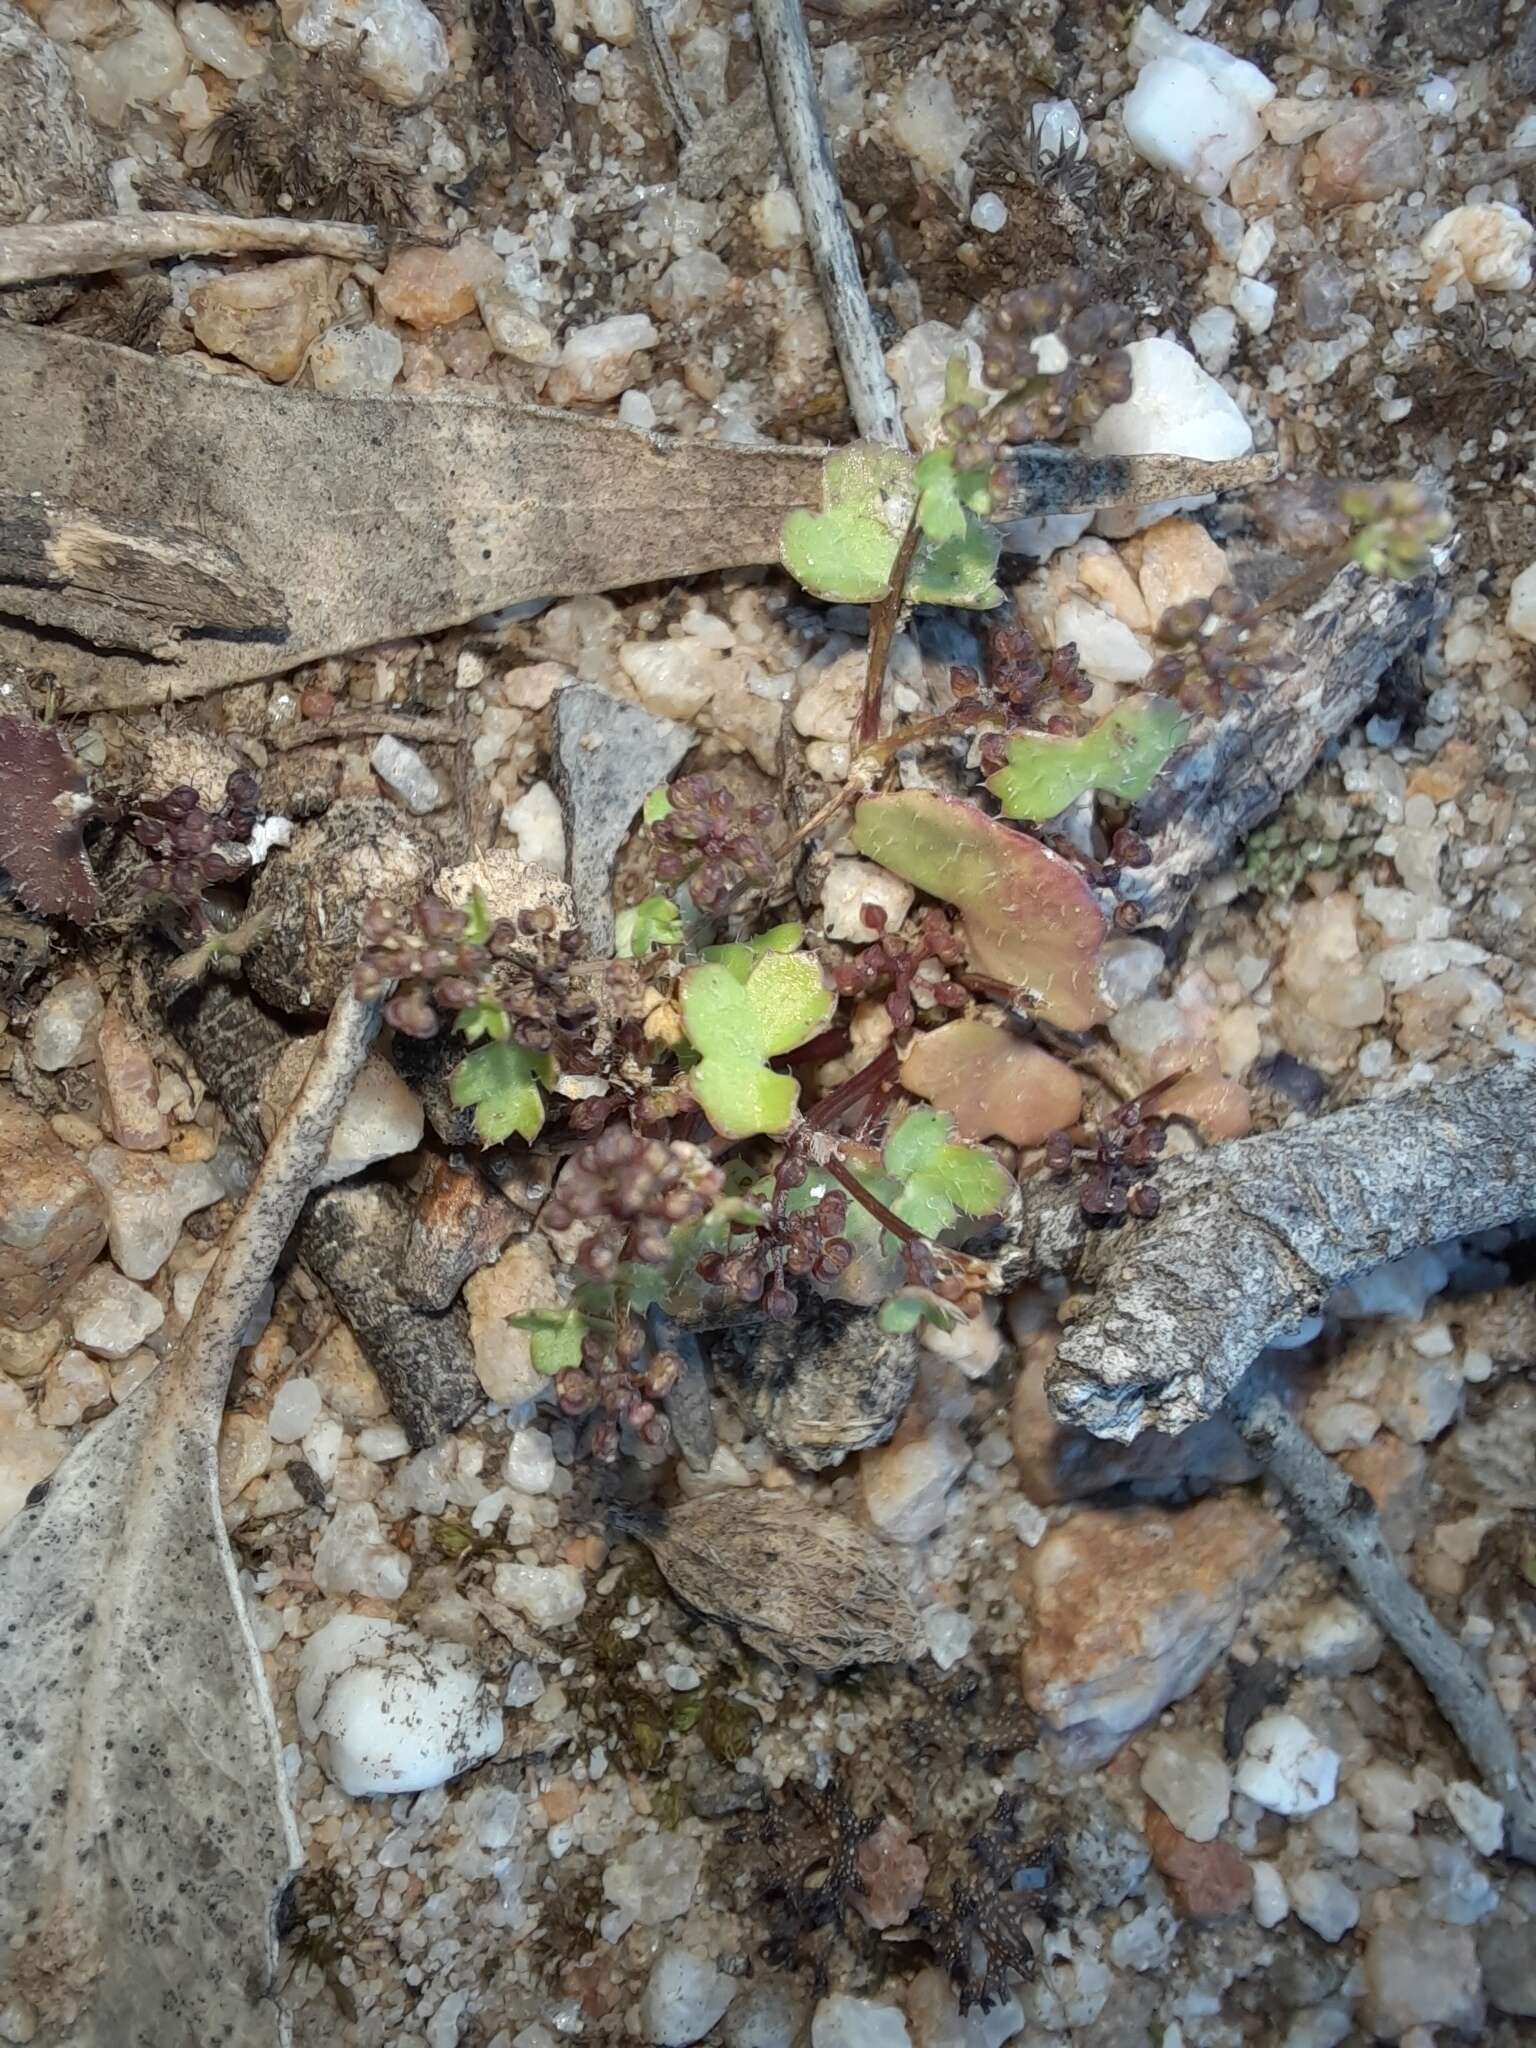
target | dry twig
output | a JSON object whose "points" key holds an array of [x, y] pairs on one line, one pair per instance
{"points": [[786, 52], [76, 248], [1253, 1236], [1340, 1516]]}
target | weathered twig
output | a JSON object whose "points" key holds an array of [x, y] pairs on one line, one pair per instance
{"points": [[352, 1237], [1253, 1236], [1237, 768], [1340, 1516], [74, 248], [666, 72], [149, 1838], [1044, 480], [353, 725], [786, 52]]}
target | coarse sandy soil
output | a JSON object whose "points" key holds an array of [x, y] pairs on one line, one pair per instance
{"points": [[635, 1862]]}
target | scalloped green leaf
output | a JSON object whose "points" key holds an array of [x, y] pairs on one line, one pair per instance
{"points": [[555, 1338], [738, 1025], [846, 553], [1027, 916], [1123, 755], [742, 1098], [944, 1179], [500, 1083]]}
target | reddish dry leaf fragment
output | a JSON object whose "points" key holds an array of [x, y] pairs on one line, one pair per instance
{"points": [[1029, 917], [993, 1084], [43, 807]]}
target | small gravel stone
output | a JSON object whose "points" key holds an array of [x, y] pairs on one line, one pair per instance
{"points": [[403, 770], [906, 1484], [1480, 1818], [356, 362], [1285, 1767], [1487, 247], [851, 887], [402, 51], [149, 1198], [843, 2022], [65, 1025], [267, 318], [295, 1410], [53, 1219], [537, 823], [1190, 1781], [654, 1879], [1520, 617], [684, 1996], [215, 39], [1271, 1900], [1325, 1903], [110, 1315], [391, 1711], [598, 362], [130, 1087], [353, 1556], [530, 1461], [1194, 109], [549, 1595], [1371, 153], [1420, 1975]]}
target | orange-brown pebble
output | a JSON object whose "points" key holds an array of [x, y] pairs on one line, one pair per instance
{"points": [[560, 1800], [1208, 1880], [425, 288]]}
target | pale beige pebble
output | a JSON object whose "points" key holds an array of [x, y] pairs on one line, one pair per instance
{"points": [[192, 1144], [78, 1387], [905, 1484], [1487, 247], [924, 119], [53, 1217], [521, 1279], [190, 104], [853, 887], [140, 65], [531, 687], [380, 1118], [28, 1455], [1419, 1975], [750, 721], [673, 678], [1177, 562], [1108, 650], [1520, 618], [425, 288], [130, 1373], [600, 361], [1109, 580], [1238, 1039], [245, 1452], [216, 39], [828, 697], [77, 1132], [776, 217], [348, 1384], [268, 316], [515, 331], [1132, 1607], [1373, 152], [27, 1354], [129, 1086], [1267, 180]]}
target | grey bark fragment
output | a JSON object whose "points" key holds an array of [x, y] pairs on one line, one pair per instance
{"points": [[145, 1832], [1340, 1516], [1236, 769], [608, 757], [1253, 1236], [53, 165], [351, 1238]]}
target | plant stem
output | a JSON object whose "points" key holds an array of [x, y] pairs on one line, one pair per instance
{"points": [[850, 1181], [884, 617], [868, 1078]]}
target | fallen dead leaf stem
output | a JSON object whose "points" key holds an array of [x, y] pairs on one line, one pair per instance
{"points": [[1339, 1516], [78, 248]]}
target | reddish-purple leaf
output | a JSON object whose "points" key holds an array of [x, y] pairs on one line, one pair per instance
{"points": [[44, 803], [1029, 918], [993, 1084]]}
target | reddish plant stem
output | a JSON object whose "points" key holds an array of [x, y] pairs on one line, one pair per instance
{"points": [[883, 619], [850, 1181], [868, 1078]]}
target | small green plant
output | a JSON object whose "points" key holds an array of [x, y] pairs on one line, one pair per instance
{"points": [[647, 927], [1122, 756], [740, 1013]]}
